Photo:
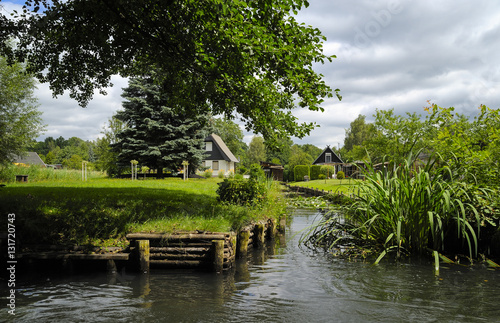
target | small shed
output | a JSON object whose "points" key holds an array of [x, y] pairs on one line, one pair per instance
{"points": [[274, 171]]}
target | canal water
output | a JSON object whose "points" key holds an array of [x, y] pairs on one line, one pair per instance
{"points": [[284, 283]]}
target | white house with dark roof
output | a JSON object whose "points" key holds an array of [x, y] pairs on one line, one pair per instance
{"points": [[218, 156]]}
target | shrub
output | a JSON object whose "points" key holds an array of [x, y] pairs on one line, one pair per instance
{"points": [[220, 174], [340, 175], [321, 176], [300, 171], [241, 170], [257, 173], [315, 171], [327, 170], [208, 173], [241, 191]]}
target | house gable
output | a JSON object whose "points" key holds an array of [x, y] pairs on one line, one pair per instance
{"points": [[218, 149], [31, 158], [328, 156]]}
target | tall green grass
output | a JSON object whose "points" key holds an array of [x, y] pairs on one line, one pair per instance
{"points": [[38, 173], [413, 210]]}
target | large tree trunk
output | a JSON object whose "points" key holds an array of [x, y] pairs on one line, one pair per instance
{"points": [[159, 173]]}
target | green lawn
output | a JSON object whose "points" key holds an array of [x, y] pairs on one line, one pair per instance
{"points": [[345, 186], [101, 211]]}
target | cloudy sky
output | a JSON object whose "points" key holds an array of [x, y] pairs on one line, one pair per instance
{"points": [[390, 54]]}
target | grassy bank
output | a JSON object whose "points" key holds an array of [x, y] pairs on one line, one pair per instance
{"points": [[346, 186], [102, 211]]}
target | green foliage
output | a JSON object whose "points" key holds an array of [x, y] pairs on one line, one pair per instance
{"points": [[280, 152], [299, 157], [315, 171], [20, 121], [340, 175], [300, 171], [232, 135], [469, 143], [358, 132], [321, 176], [256, 151], [252, 58], [207, 173], [473, 145], [408, 211], [241, 191], [257, 173], [327, 171], [220, 174], [106, 158], [74, 162]]}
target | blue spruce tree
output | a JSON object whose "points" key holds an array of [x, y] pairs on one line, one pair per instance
{"points": [[159, 132]]}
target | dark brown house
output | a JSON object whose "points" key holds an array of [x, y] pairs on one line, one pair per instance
{"points": [[274, 171], [329, 157]]}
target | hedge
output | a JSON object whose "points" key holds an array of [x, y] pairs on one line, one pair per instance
{"points": [[300, 171], [315, 171]]}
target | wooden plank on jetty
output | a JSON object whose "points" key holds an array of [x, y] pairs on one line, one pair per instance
{"points": [[174, 236]]}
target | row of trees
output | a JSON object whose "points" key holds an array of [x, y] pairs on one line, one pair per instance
{"points": [[472, 142], [20, 120]]}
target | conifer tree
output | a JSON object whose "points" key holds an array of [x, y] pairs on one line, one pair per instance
{"points": [[160, 132]]}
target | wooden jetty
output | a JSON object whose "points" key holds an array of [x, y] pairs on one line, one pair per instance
{"points": [[213, 251]]}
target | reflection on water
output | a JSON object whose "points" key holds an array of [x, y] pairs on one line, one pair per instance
{"points": [[283, 283]]}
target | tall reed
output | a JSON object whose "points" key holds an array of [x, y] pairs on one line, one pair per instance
{"points": [[406, 209]]}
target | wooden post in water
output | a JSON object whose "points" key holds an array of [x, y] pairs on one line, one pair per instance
{"points": [[243, 237], [271, 229], [282, 225], [111, 266], [259, 236], [142, 247], [217, 255]]}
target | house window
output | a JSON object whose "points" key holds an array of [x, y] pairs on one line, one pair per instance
{"points": [[328, 158], [208, 146], [215, 165]]}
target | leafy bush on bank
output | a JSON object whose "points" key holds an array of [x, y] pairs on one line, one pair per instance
{"points": [[241, 191]]}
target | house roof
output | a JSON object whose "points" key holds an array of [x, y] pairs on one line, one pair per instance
{"points": [[321, 157], [31, 158], [223, 149]]}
